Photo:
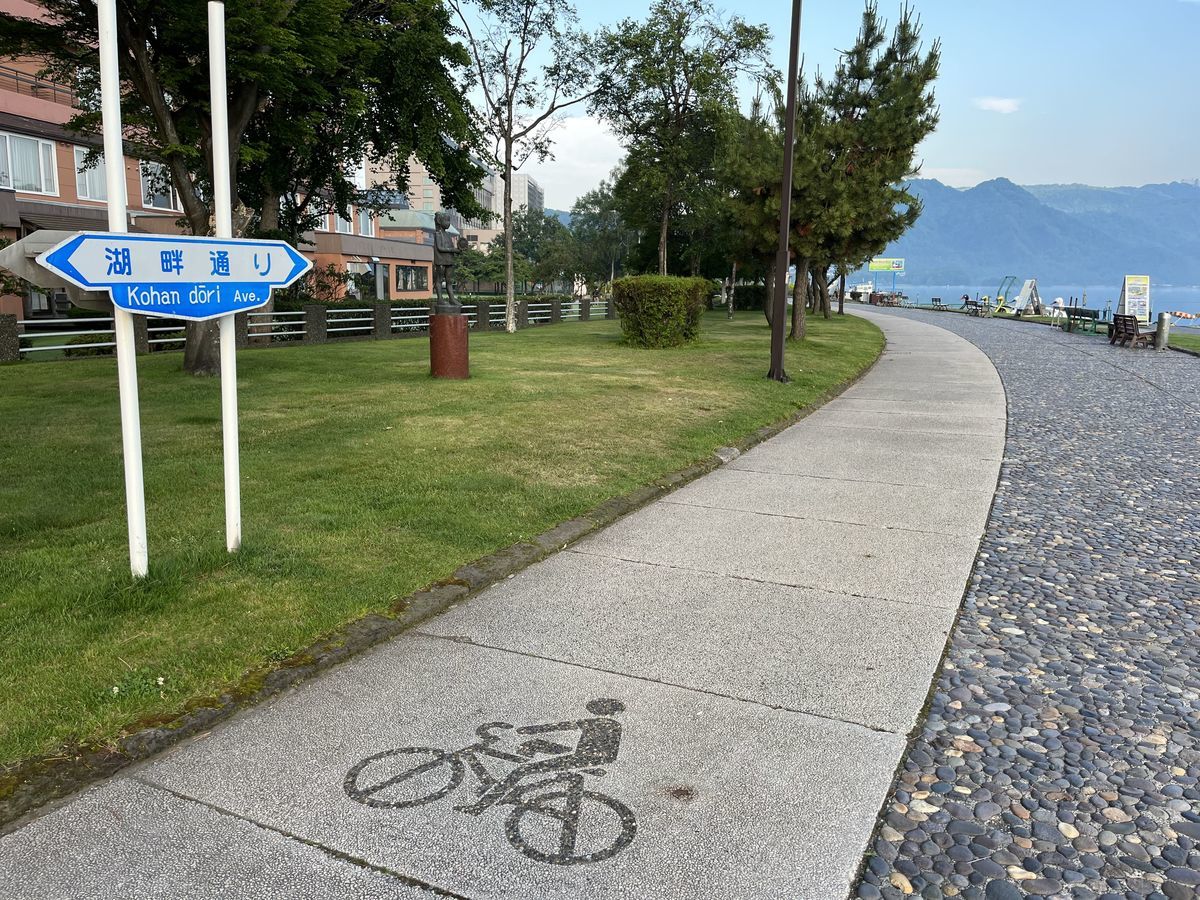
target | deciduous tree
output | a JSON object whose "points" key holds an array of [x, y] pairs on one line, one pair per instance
{"points": [[530, 65], [315, 87]]}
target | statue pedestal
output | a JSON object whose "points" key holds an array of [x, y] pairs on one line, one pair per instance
{"points": [[448, 356]]}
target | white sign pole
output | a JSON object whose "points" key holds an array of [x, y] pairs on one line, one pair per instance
{"points": [[223, 222], [114, 177]]}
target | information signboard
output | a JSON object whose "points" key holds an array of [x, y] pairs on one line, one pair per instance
{"points": [[886, 264], [177, 276], [1135, 298]]}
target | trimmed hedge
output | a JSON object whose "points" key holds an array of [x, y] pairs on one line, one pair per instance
{"points": [[660, 310]]}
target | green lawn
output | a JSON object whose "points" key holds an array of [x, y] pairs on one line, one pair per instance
{"points": [[363, 480], [1188, 341]]}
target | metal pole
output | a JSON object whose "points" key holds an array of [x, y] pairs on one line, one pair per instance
{"points": [[785, 205], [223, 222], [127, 385]]}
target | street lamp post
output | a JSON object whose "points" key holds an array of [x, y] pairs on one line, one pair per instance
{"points": [[779, 301]]}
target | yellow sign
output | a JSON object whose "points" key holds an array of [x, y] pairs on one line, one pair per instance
{"points": [[885, 264], [1135, 298]]}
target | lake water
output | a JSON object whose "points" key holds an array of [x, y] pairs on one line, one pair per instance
{"points": [[1162, 298]]}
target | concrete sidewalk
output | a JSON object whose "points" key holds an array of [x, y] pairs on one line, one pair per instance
{"points": [[770, 630]]}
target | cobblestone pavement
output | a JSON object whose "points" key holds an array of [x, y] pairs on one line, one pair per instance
{"points": [[1061, 754]]}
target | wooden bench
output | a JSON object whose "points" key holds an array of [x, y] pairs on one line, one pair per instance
{"points": [[1081, 317], [937, 303], [977, 307], [1125, 330]]}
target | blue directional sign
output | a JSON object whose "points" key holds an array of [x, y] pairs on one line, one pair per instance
{"points": [[176, 275]]}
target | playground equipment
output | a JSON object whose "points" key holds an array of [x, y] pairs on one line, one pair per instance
{"points": [[1003, 293], [1028, 300]]}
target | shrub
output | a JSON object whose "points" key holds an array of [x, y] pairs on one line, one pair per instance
{"points": [[660, 310], [73, 351]]}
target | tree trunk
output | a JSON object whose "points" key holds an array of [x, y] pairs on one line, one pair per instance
{"points": [[799, 299], [202, 348], [269, 215], [662, 238], [510, 300], [732, 288], [842, 296], [825, 310]]}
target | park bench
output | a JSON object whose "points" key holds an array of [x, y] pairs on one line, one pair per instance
{"points": [[1125, 330], [937, 303], [1081, 317], [977, 307]]}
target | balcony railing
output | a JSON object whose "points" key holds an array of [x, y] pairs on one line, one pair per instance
{"points": [[23, 83]]}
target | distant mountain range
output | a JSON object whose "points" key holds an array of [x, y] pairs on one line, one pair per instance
{"points": [[1058, 233], [561, 214]]}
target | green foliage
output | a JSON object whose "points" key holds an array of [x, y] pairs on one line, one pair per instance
{"points": [[602, 238], [660, 310], [315, 86], [667, 88], [73, 350]]}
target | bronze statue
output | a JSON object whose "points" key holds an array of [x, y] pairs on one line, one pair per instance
{"points": [[445, 248]]}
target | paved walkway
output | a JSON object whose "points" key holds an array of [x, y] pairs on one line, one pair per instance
{"points": [[739, 666], [1061, 755]]}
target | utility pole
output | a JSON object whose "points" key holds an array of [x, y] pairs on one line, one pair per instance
{"points": [[779, 301]]}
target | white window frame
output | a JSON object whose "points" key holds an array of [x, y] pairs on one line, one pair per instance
{"points": [[172, 193], [48, 174], [96, 171], [366, 223], [339, 222]]}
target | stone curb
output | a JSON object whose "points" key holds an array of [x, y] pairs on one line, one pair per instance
{"points": [[27, 786]]}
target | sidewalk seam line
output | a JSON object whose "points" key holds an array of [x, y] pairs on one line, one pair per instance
{"points": [[460, 639], [340, 855], [758, 512], [734, 465], [764, 581]]}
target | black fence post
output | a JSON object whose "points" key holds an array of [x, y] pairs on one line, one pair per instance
{"points": [[610, 309], [585, 309], [241, 330], [141, 335], [555, 312], [316, 324], [483, 316], [383, 320], [522, 314], [10, 339]]}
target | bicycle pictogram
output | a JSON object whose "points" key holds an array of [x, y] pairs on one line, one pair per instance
{"points": [[555, 819]]}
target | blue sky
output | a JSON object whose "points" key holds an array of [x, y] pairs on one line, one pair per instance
{"points": [[1103, 92]]}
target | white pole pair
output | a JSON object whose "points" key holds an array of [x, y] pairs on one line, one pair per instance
{"points": [[114, 172]]}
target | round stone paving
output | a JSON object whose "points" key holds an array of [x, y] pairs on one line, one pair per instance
{"points": [[1061, 753]]}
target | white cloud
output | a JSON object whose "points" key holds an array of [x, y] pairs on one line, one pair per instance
{"points": [[1002, 105], [585, 151]]}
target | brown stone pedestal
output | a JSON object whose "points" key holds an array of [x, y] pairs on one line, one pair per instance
{"points": [[448, 357]]}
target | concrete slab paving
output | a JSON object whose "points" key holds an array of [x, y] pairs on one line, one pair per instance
{"points": [[725, 799], [867, 435], [893, 419], [829, 654], [127, 839], [879, 465], [908, 566], [914, 508], [706, 699]]}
